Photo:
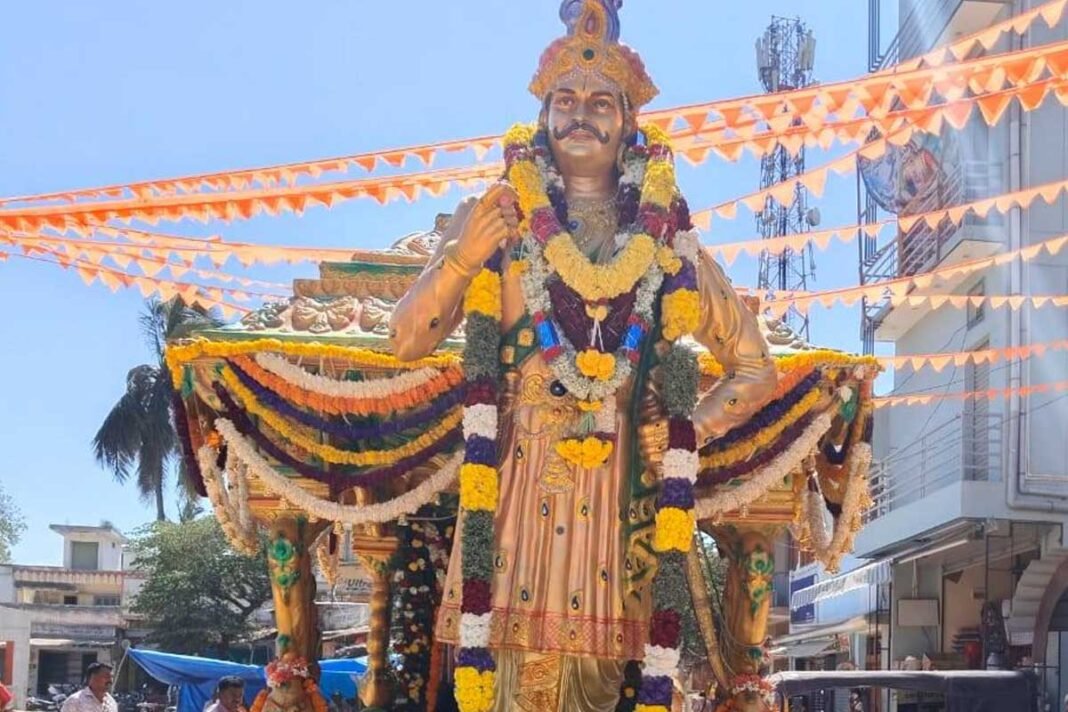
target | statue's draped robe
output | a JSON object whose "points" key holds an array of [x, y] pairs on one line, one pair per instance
{"points": [[562, 624]]}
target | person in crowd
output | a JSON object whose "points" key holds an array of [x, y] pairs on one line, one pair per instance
{"points": [[95, 696], [229, 695], [6, 697]]}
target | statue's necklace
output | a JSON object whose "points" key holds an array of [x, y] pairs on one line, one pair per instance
{"points": [[592, 224]]}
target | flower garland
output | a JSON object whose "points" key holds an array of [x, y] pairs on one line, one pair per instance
{"points": [[827, 358], [329, 453], [765, 436], [476, 669], [753, 684], [236, 521], [373, 389], [416, 600], [855, 500], [180, 354], [734, 499], [336, 478], [318, 402], [285, 488], [343, 428], [552, 261], [288, 669]]}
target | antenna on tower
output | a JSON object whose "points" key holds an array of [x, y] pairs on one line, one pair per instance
{"points": [[785, 55]]}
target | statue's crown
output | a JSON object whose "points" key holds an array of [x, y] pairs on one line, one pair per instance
{"points": [[592, 46]]}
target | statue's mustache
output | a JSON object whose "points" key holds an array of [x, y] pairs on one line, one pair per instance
{"points": [[561, 134]]}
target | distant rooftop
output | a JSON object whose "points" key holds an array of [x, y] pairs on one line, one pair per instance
{"points": [[107, 530]]}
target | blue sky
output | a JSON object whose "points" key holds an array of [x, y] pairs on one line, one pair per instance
{"points": [[100, 93]]}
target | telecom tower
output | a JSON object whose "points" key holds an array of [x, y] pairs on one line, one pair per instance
{"points": [[785, 57]]}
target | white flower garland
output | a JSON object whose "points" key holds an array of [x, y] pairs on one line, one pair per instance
{"points": [[660, 661], [681, 463], [757, 484], [855, 500], [236, 523], [480, 419], [283, 487], [475, 630], [376, 389], [534, 281], [688, 245]]}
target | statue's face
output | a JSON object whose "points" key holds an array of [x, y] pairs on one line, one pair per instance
{"points": [[585, 118]]}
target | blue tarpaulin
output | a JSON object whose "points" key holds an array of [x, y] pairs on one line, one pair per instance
{"points": [[196, 678]]}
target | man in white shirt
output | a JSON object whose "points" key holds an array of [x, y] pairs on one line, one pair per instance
{"points": [[230, 695], [94, 697]]}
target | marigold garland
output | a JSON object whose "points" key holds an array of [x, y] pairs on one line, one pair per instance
{"points": [[180, 354], [594, 364], [588, 453], [600, 282], [475, 671], [366, 458], [765, 436], [387, 404], [681, 313], [370, 389], [801, 360]]}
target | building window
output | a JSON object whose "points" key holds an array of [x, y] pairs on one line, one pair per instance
{"points": [[84, 555], [975, 311], [70, 600], [106, 601]]}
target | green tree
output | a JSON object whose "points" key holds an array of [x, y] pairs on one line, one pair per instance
{"points": [[138, 433], [199, 594], [12, 524]]}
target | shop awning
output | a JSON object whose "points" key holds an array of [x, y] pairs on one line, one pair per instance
{"points": [[873, 574], [805, 649], [69, 643]]}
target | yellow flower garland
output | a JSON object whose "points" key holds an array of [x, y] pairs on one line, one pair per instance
{"points": [[659, 185], [474, 689], [674, 529], [681, 313], [589, 452], [483, 295], [478, 487], [600, 282], [764, 437], [668, 260], [594, 364], [368, 458], [803, 359], [179, 355]]}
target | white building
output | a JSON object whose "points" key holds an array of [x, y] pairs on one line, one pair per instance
{"points": [[971, 492], [55, 620]]}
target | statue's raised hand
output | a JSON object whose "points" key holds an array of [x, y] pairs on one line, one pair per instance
{"points": [[493, 222]]}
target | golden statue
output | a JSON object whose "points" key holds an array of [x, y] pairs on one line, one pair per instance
{"points": [[570, 601]]}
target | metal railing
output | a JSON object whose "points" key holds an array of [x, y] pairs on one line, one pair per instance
{"points": [[966, 448]]}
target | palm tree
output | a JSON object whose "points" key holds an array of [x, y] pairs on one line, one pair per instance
{"points": [[138, 433]]}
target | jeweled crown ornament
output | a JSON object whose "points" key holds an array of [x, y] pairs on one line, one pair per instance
{"points": [[592, 47]]}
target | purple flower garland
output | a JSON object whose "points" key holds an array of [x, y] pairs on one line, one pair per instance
{"points": [[338, 481]]}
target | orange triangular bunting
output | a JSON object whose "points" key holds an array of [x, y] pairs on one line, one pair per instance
{"points": [[993, 106], [1031, 97]]}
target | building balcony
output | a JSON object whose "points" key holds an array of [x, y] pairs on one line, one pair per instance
{"points": [[923, 248], [64, 577], [952, 472]]}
